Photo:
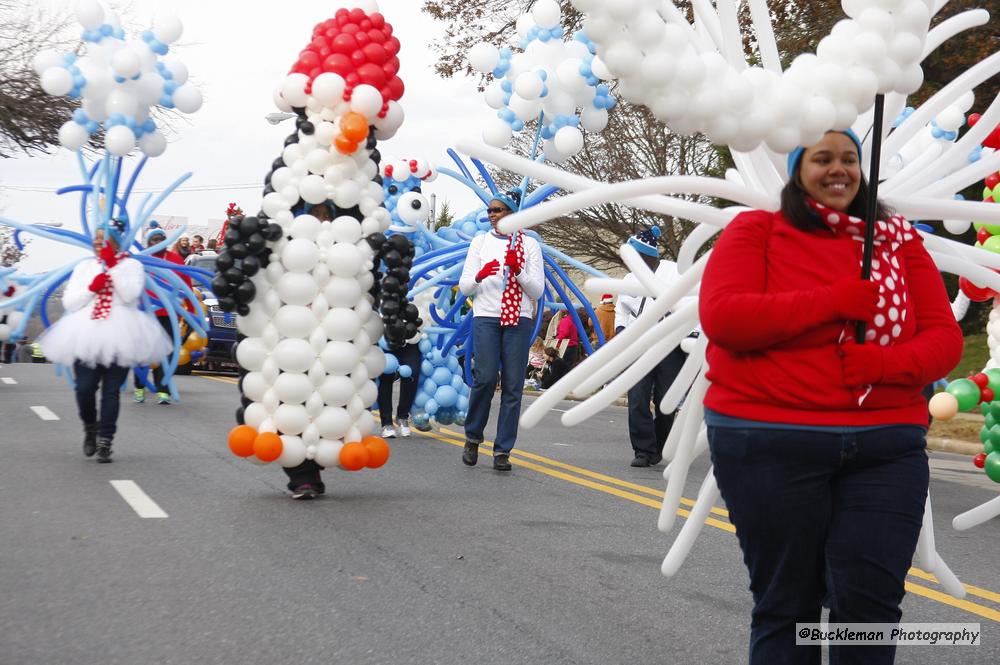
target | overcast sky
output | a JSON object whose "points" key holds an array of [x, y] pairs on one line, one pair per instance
{"points": [[238, 52]]}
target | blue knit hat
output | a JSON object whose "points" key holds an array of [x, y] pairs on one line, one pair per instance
{"points": [[507, 200], [645, 241], [795, 155], [154, 233], [114, 229]]}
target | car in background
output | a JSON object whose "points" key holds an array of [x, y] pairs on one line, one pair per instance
{"points": [[221, 326]]}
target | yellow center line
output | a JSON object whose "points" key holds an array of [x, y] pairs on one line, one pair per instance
{"points": [[920, 590], [458, 439]]}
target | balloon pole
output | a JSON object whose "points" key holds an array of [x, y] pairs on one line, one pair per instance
{"points": [[873, 171]]}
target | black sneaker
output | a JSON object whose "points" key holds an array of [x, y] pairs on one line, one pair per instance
{"points": [[89, 440], [304, 492], [640, 461], [471, 453], [501, 462], [103, 451]]}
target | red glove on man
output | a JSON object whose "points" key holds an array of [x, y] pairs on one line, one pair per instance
{"points": [[863, 364], [109, 256], [855, 299], [488, 270], [511, 261], [99, 282]]}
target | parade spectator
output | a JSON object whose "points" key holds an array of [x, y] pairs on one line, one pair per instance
{"points": [[103, 334], [197, 244], [183, 247], [605, 312], [504, 275], [817, 442], [648, 428], [536, 359], [156, 236], [213, 244], [568, 339], [23, 352], [554, 369], [408, 355]]}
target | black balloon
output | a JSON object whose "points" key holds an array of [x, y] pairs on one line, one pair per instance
{"points": [[251, 266], [272, 231], [227, 303], [223, 261], [249, 227], [391, 285], [255, 243], [400, 273], [291, 138], [239, 416], [411, 329], [399, 243], [221, 287], [306, 127], [245, 293], [277, 164], [392, 258], [376, 240], [239, 251], [390, 308], [410, 312], [243, 309], [234, 276], [232, 235]]}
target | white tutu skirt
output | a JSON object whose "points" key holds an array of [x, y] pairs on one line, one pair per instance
{"points": [[126, 338]]}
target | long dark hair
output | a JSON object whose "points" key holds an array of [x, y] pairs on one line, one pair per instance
{"points": [[801, 216]]}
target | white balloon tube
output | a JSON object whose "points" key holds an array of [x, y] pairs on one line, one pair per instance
{"points": [[689, 370], [618, 344], [766, 42], [616, 192], [662, 204], [962, 178], [921, 207], [637, 266], [948, 580], [705, 14], [624, 381], [960, 306], [747, 171], [926, 547], [689, 248], [950, 27], [732, 40], [977, 274], [615, 286], [673, 328], [964, 253], [708, 494], [770, 176], [944, 97], [670, 14], [681, 463], [898, 182], [978, 515]]}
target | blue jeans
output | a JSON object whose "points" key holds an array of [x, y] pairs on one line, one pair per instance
{"points": [[503, 351], [820, 517], [110, 380]]}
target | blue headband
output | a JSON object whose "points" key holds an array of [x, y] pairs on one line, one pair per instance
{"points": [[506, 200], [796, 155]]}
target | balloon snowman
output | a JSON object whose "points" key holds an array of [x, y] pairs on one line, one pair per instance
{"points": [[694, 77], [304, 273], [119, 84]]}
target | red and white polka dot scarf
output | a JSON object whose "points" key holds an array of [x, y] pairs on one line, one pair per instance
{"points": [[510, 301], [887, 324], [102, 298]]}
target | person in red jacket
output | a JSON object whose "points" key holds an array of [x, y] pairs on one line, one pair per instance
{"points": [[818, 443]]}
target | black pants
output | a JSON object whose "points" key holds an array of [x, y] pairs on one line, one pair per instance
{"points": [[109, 379], [408, 355], [570, 355], [646, 431], [305, 473], [158, 370]]}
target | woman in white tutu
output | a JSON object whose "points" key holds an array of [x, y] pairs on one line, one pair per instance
{"points": [[103, 334]]}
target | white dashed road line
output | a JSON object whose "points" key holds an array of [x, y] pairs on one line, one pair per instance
{"points": [[139, 500], [9, 381], [44, 413]]}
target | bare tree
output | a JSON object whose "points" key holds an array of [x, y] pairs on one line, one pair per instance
{"points": [[9, 252]]}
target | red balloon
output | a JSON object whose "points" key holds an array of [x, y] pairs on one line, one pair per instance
{"points": [[372, 75], [338, 63], [352, 79], [351, 29], [982, 235], [392, 46], [318, 42], [358, 15], [362, 38], [331, 32], [396, 88], [366, 25], [341, 14], [987, 395], [343, 19], [980, 380], [974, 293], [376, 37], [377, 20], [375, 54], [988, 199], [992, 180], [309, 59], [973, 119], [344, 43], [391, 65], [993, 140], [979, 460]]}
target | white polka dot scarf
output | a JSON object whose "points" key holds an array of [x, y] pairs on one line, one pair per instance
{"points": [[102, 299], [887, 324], [510, 301]]}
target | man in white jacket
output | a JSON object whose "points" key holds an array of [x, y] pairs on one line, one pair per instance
{"points": [[504, 275]]}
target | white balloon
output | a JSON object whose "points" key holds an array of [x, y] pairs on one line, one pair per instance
{"points": [[300, 255], [497, 133], [295, 320], [153, 144], [336, 390], [254, 415], [528, 85], [957, 226], [342, 291], [293, 90], [328, 88], [484, 57], [345, 229], [255, 385], [293, 388], [339, 357], [125, 63], [366, 100], [305, 226], [297, 288], [328, 452], [546, 13], [187, 98], [72, 136], [568, 141], [46, 58], [90, 14], [312, 189], [119, 140], [167, 29], [294, 355], [57, 81], [251, 353], [341, 324], [333, 422], [387, 126], [293, 451], [344, 260]]}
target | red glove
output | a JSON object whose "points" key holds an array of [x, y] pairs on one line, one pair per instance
{"points": [[863, 364], [511, 261], [488, 270], [109, 256], [99, 282], [855, 299]]}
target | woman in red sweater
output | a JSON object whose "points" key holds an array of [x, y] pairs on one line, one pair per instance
{"points": [[817, 442]]}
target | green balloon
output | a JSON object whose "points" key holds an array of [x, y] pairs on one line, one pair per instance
{"points": [[992, 243], [994, 376], [988, 418], [987, 193], [992, 467], [984, 434], [988, 446], [996, 192], [966, 392], [995, 410]]}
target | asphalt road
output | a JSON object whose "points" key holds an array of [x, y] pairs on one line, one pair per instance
{"points": [[421, 561]]}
